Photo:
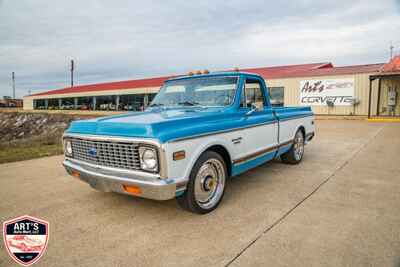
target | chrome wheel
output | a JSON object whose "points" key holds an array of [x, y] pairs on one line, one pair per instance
{"points": [[209, 183], [298, 146]]}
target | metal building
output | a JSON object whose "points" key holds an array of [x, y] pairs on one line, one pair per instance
{"points": [[368, 90]]}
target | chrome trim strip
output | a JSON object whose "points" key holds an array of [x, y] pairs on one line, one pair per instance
{"points": [[99, 168], [260, 153], [163, 162], [222, 131], [255, 155], [296, 117], [114, 138]]}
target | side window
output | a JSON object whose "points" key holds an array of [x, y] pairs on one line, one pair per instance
{"points": [[277, 96], [252, 93]]}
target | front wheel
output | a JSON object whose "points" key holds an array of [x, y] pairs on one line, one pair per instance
{"points": [[295, 153], [206, 185]]}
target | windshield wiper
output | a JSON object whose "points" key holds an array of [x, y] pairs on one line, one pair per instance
{"points": [[156, 105], [188, 103]]}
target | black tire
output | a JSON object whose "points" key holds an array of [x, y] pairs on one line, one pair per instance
{"points": [[294, 156], [188, 200]]}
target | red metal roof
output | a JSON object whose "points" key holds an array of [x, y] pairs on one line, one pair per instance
{"points": [[392, 66], [288, 71], [150, 82], [369, 68]]}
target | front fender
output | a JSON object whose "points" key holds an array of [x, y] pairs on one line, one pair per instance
{"points": [[180, 170]]}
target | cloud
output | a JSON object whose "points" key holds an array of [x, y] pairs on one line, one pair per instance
{"points": [[127, 39]]}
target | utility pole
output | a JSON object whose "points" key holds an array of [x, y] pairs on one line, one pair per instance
{"points": [[391, 50], [72, 72], [13, 83]]}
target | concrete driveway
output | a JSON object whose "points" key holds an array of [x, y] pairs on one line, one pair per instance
{"points": [[339, 207]]}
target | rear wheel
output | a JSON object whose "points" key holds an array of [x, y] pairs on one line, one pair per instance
{"points": [[206, 185], [296, 152]]}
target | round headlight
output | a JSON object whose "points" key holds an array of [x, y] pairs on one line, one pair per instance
{"points": [[68, 147], [149, 159]]}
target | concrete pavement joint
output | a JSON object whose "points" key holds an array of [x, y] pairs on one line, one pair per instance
{"points": [[279, 220]]}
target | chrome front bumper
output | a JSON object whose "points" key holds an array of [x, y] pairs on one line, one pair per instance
{"points": [[107, 180]]}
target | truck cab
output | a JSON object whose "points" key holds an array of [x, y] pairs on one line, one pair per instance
{"points": [[198, 131]]}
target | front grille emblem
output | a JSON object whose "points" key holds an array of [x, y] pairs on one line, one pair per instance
{"points": [[92, 152]]}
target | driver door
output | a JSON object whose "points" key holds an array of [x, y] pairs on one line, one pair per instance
{"points": [[261, 137]]}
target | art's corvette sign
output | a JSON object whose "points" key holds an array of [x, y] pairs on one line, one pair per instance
{"points": [[318, 92], [26, 238]]}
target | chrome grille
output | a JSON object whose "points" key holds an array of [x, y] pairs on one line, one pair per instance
{"points": [[106, 153]]}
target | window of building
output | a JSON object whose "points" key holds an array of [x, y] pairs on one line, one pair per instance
{"points": [[277, 96], [39, 104], [67, 103], [132, 102], [85, 103], [106, 102], [53, 103]]}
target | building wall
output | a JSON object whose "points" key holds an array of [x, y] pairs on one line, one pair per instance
{"points": [[361, 91], [28, 103]]}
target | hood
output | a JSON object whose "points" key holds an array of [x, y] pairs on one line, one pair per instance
{"points": [[164, 125]]}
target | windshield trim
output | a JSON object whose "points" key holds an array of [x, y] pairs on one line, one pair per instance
{"points": [[238, 82]]}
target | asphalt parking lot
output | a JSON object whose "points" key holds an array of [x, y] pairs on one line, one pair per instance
{"points": [[339, 207]]}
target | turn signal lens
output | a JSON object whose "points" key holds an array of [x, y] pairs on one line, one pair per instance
{"points": [[178, 155], [75, 174], [131, 189]]}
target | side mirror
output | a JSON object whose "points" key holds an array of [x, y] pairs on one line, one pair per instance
{"points": [[252, 110]]}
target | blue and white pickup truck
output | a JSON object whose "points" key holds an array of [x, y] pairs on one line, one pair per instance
{"points": [[198, 131]]}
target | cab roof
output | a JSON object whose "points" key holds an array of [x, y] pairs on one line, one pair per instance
{"points": [[215, 74]]}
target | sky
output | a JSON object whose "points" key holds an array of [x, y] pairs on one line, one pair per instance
{"points": [[126, 39]]}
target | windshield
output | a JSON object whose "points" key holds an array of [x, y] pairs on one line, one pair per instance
{"points": [[202, 91]]}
